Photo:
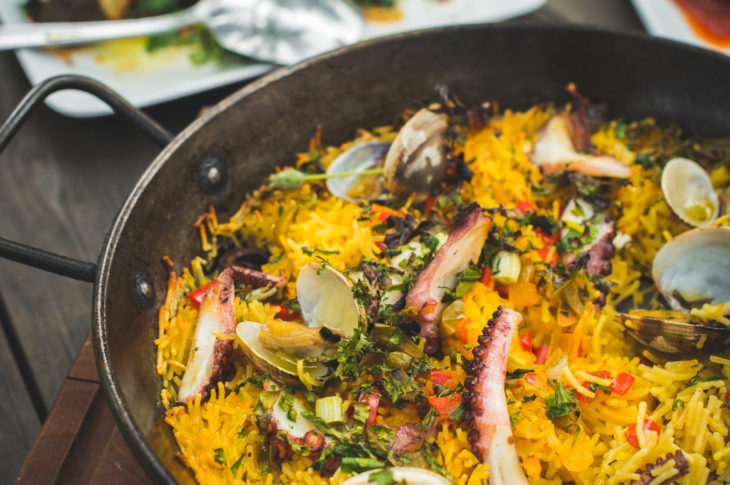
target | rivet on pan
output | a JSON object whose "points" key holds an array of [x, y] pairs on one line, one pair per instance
{"points": [[212, 174], [142, 289]]}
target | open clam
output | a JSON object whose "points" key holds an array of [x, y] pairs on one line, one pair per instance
{"points": [[326, 300], [400, 474], [689, 193], [358, 158], [674, 332], [414, 163], [280, 365], [330, 312], [692, 269]]}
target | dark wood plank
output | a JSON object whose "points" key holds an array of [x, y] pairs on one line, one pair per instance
{"points": [[79, 426], [64, 181], [84, 366], [113, 461], [19, 424], [118, 465], [55, 441]]}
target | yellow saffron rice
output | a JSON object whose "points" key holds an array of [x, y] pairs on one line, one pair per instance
{"points": [[220, 441]]}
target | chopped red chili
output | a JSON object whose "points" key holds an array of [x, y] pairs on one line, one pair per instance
{"points": [[196, 296], [622, 383], [285, 314], [631, 436], [526, 341], [541, 352], [440, 378]]}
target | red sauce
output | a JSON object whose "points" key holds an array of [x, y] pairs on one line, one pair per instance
{"points": [[710, 19]]}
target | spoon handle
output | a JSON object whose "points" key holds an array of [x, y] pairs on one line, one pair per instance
{"points": [[16, 36]]}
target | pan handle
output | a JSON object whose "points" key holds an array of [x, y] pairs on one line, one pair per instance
{"points": [[47, 261]]}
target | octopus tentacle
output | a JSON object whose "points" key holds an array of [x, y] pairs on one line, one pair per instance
{"points": [[486, 406], [679, 469], [467, 234], [211, 358], [555, 151], [257, 279]]}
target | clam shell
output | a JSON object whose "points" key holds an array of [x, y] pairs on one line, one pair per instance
{"points": [[279, 365], [357, 158], [672, 336], [409, 475], [694, 267], [689, 193], [326, 299], [416, 162]]}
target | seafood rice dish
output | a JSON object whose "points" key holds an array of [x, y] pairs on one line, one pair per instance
{"points": [[474, 295]]}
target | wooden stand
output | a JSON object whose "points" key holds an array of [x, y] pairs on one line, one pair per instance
{"points": [[79, 442]]}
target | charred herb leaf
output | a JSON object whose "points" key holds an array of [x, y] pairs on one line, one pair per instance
{"points": [[517, 374], [458, 414], [399, 387]]}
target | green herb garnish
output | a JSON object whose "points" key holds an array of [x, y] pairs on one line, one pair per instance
{"points": [[561, 402]]}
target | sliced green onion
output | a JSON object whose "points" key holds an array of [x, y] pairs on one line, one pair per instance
{"points": [[329, 409], [506, 268], [292, 179]]}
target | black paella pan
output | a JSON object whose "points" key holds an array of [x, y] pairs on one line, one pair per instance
{"points": [[236, 144]]}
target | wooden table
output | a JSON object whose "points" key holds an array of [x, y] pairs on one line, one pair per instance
{"points": [[63, 181]]}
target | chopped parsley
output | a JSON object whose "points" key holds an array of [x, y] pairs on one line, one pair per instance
{"points": [[561, 402], [286, 403], [697, 379], [219, 458]]}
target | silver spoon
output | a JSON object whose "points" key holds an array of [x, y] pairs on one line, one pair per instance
{"points": [[276, 31]]}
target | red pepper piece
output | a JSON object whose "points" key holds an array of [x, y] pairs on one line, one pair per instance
{"points": [[444, 405], [440, 378], [630, 434], [196, 296], [582, 398], [525, 206], [486, 278], [548, 239], [541, 352], [372, 400], [546, 255], [526, 341], [533, 379], [384, 212], [622, 383], [285, 314], [603, 374]]}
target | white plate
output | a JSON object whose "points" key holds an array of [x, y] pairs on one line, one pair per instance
{"points": [[146, 79], [664, 19]]}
